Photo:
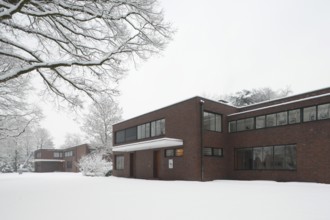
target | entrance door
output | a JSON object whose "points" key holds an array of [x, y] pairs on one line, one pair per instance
{"points": [[131, 165], [156, 164]]}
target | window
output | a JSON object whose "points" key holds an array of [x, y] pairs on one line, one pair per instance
{"points": [[212, 122], [174, 152], [323, 111], [294, 116], [282, 157], [232, 126], [58, 154], [146, 130], [68, 154], [143, 131], [210, 151], [69, 164], [207, 151], [310, 114], [169, 153], [282, 118], [285, 157], [271, 120], [260, 121], [245, 124], [120, 137], [38, 155], [119, 162], [130, 134], [158, 128], [244, 158]]}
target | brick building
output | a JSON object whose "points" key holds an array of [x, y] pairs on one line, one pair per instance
{"points": [[61, 160], [286, 139]]}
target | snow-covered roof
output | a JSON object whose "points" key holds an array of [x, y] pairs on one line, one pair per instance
{"points": [[47, 160], [280, 104], [151, 144]]}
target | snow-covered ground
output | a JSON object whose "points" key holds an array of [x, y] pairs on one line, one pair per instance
{"points": [[54, 196]]}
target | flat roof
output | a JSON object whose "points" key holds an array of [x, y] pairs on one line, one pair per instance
{"points": [[147, 145]]}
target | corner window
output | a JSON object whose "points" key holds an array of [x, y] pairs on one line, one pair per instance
{"points": [[323, 111], [119, 162], [310, 114], [212, 122], [232, 126]]}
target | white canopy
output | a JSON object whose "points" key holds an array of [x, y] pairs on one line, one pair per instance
{"points": [[147, 145]]}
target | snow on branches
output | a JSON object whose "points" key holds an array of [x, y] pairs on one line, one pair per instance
{"points": [[85, 45]]}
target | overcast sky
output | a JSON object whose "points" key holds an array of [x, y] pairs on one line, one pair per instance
{"points": [[221, 47]]}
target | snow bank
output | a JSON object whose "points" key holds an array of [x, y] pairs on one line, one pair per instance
{"points": [[54, 196]]}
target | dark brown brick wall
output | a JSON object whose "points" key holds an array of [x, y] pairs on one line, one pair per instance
{"points": [[312, 140]]}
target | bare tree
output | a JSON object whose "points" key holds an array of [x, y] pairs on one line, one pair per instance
{"points": [[43, 139], [78, 45], [98, 122], [248, 97], [15, 113], [71, 140]]}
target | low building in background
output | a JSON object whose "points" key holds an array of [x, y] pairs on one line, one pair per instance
{"points": [[286, 139], [60, 160]]}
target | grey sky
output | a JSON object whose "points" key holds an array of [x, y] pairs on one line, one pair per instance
{"points": [[226, 46]]}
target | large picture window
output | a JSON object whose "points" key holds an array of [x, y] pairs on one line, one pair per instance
{"points": [[212, 122], [119, 162], [282, 157]]}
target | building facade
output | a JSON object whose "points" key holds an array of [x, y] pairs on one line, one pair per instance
{"points": [[285, 139], [60, 160]]}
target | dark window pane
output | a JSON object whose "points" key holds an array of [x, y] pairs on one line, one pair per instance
{"points": [[279, 157], [131, 134], [290, 157], [257, 158], [267, 157], [244, 159], [120, 137]]}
